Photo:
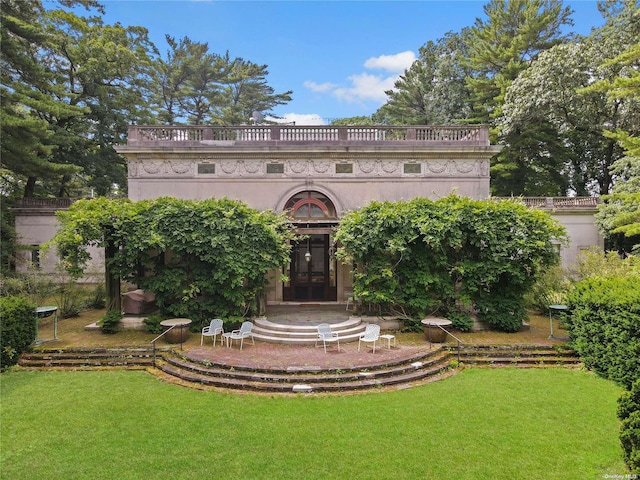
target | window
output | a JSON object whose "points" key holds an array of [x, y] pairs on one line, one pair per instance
{"points": [[310, 205], [35, 256]]}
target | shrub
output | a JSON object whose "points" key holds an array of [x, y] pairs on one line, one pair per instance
{"points": [[232, 323], [604, 326], [629, 415], [110, 321], [504, 310], [153, 323], [98, 297], [594, 262], [18, 326], [551, 288], [70, 299], [411, 325], [33, 285], [461, 321]]}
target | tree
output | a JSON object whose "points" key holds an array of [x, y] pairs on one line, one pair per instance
{"points": [[504, 45], [532, 162], [28, 100], [619, 215], [70, 87], [103, 69], [244, 91], [433, 90], [500, 49], [558, 101], [172, 76], [201, 87], [551, 90], [362, 120], [190, 81]]}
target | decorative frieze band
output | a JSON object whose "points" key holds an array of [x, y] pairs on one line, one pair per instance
{"points": [[207, 167]]}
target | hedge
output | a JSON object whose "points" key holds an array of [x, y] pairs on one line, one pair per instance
{"points": [[629, 415], [18, 326], [604, 326]]}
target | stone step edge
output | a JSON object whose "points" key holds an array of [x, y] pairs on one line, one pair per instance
{"points": [[521, 360], [357, 329], [516, 347], [302, 341], [292, 388], [530, 354], [265, 323], [85, 355], [96, 349], [420, 356], [309, 376], [84, 363]]}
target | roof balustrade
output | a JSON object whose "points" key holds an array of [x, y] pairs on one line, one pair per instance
{"points": [[266, 135]]}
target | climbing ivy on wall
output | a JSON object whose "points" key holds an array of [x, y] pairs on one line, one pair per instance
{"points": [[200, 258], [450, 256]]}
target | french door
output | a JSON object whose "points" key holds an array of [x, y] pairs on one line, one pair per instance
{"points": [[312, 271]]}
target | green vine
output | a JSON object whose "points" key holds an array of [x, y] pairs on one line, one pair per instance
{"points": [[201, 259], [449, 257]]}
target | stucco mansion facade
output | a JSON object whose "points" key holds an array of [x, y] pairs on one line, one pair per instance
{"points": [[316, 175]]}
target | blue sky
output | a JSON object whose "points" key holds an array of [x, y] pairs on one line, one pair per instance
{"points": [[337, 57]]}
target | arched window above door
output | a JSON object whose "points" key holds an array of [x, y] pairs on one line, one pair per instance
{"points": [[310, 205]]}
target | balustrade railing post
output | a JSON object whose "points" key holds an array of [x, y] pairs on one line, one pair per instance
{"points": [[275, 133], [484, 135], [132, 134]]}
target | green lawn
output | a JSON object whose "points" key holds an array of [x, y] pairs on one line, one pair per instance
{"points": [[479, 424]]}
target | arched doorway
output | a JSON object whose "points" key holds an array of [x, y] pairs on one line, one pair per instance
{"points": [[311, 274]]}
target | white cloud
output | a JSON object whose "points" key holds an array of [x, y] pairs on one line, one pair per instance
{"points": [[319, 87], [300, 119], [397, 63], [363, 87]]}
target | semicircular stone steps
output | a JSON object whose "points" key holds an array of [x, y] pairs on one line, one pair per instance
{"points": [[304, 333], [416, 368]]}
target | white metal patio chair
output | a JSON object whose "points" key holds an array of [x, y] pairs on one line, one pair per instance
{"points": [[326, 335], [243, 332], [371, 334], [351, 300], [214, 329]]}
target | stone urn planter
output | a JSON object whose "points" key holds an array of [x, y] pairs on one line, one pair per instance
{"points": [[179, 333], [432, 331]]}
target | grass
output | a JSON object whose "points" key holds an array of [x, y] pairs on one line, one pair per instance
{"points": [[480, 424]]}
